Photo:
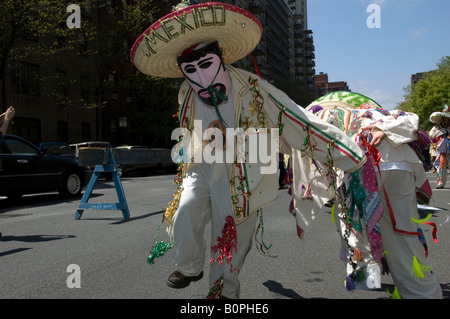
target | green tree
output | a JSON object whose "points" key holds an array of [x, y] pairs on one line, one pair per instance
{"points": [[32, 29], [429, 94], [154, 99], [152, 120], [37, 30]]}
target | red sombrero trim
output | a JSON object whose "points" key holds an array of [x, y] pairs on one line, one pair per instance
{"points": [[180, 16]]}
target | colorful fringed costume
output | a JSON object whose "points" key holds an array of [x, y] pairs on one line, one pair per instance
{"points": [[378, 218], [440, 136]]}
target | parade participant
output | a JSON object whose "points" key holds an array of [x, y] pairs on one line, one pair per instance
{"points": [[5, 119], [440, 135], [199, 43], [433, 150], [400, 179]]}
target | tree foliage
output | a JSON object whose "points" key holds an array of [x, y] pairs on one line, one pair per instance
{"points": [[36, 31], [155, 98], [429, 94], [32, 29], [138, 16]]}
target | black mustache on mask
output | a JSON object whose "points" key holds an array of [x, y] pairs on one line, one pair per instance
{"points": [[219, 87]]}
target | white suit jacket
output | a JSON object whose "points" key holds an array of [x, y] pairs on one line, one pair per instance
{"points": [[259, 105]]}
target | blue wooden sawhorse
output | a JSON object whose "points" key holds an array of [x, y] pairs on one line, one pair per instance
{"points": [[109, 166]]}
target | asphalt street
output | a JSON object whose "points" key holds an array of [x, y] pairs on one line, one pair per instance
{"points": [[43, 247]]}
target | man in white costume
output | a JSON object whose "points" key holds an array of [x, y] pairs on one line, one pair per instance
{"points": [[440, 135], [199, 43], [401, 179]]}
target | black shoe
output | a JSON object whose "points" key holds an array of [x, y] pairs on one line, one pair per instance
{"points": [[177, 280]]}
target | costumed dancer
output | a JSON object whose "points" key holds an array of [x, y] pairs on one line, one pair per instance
{"points": [[433, 150], [382, 233], [440, 135], [199, 43]]}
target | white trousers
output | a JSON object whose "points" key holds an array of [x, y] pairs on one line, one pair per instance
{"points": [[206, 197], [400, 248]]}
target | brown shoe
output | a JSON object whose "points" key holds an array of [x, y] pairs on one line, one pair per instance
{"points": [[177, 280]]}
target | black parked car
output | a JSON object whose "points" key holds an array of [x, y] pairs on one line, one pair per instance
{"points": [[25, 169]]}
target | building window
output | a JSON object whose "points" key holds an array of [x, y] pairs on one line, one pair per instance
{"points": [[126, 49], [85, 131], [83, 47], [27, 128], [26, 79], [85, 94], [61, 85], [124, 8], [63, 131], [111, 46], [110, 6]]}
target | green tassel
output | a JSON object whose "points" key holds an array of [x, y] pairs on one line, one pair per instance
{"points": [[418, 269], [360, 275], [158, 250], [394, 294]]}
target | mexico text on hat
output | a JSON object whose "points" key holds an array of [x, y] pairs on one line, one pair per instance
{"points": [[175, 25]]}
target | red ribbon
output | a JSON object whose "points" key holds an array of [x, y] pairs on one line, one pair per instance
{"points": [[434, 230], [256, 66]]}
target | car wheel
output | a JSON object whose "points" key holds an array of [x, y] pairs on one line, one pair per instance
{"points": [[72, 184]]}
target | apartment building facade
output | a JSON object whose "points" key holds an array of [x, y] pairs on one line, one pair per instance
{"points": [[324, 86]]}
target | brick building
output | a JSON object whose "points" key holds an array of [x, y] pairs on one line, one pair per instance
{"points": [[324, 86]]}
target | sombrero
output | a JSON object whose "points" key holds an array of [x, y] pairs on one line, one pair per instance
{"points": [[345, 99], [156, 51], [436, 117]]}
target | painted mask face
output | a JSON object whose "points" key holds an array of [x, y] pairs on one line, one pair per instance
{"points": [[445, 122], [209, 78]]}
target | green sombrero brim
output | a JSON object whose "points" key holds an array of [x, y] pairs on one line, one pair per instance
{"points": [[344, 99], [436, 117]]}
